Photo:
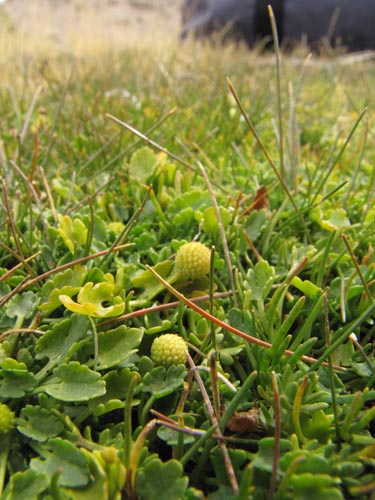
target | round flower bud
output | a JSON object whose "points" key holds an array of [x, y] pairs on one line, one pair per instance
{"points": [[193, 260], [7, 419], [169, 349]]}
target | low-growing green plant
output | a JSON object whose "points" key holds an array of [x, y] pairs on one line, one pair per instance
{"points": [[182, 315]]}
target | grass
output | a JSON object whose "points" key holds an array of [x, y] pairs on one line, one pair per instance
{"points": [[111, 159]]}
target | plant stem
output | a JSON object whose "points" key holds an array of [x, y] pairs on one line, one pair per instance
{"points": [[278, 79], [228, 464], [5, 446], [128, 420], [331, 375], [226, 326], [276, 450], [96, 345]]}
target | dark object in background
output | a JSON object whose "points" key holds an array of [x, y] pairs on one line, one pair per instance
{"points": [[349, 23]]}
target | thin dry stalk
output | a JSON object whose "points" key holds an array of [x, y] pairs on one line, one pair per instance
{"points": [[157, 146], [228, 464], [49, 194], [30, 112], [33, 192], [12, 226], [18, 266], [159, 307], [165, 421], [276, 449], [224, 325], [278, 79], [358, 269], [28, 282], [221, 229], [267, 155]]}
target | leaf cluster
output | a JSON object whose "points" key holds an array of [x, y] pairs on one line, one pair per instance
{"points": [[280, 333]]}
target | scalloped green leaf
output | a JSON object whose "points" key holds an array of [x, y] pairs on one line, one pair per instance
{"points": [[54, 301], [116, 346], [66, 459], [256, 221], [75, 382], [143, 163], [73, 277], [146, 279], [13, 364], [15, 379], [309, 485], [39, 423], [185, 217], [22, 305], [73, 232], [56, 343], [68, 283], [152, 285], [171, 436], [161, 479], [260, 280], [317, 425], [117, 384], [26, 485], [193, 198], [97, 488], [162, 382], [67, 189], [264, 458], [307, 462], [209, 222], [330, 218], [103, 408], [335, 218]]}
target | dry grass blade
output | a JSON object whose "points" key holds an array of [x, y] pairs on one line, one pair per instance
{"points": [[29, 113], [159, 307], [41, 277], [18, 266], [278, 80], [11, 223], [267, 155], [165, 421], [358, 269], [157, 146], [228, 464], [20, 330], [221, 229], [49, 194], [276, 450], [33, 192], [224, 325]]}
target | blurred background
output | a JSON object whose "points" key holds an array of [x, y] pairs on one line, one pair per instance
{"points": [[68, 24], [74, 25]]}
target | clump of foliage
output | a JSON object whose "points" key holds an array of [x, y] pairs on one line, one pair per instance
{"points": [[277, 397]]}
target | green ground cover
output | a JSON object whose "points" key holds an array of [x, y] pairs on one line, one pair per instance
{"points": [[109, 164]]}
